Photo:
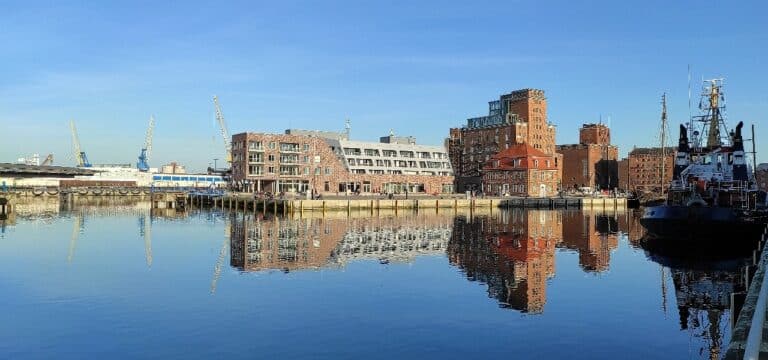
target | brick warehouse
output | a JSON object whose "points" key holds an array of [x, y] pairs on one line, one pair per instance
{"points": [[516, 118], [521, 170], [761, 176], [303, 163], [641, 170], [593, 162]]}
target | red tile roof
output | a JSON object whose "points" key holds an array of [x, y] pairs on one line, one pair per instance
{"points": [[526, 153]]}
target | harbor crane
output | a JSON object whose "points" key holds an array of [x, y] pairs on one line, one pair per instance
{"points": [[48, 160], [224, 130], [143, 163], [80, 157]]}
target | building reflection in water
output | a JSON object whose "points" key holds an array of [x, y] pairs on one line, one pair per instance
{"points": [[285, 244], [593, 235], [513, 252]]}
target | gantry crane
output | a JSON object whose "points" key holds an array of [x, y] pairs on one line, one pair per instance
{"points": [[80, 157], [224, 130], [143, 163]]}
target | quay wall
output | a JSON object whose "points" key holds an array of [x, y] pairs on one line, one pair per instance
{"points": [[246, 201]]}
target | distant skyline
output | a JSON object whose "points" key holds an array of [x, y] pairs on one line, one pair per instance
{"points": [[418, 68]]}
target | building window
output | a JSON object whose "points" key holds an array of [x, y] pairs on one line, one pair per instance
{"points": [[272, 145], [271, 157], [327, 186], [327, 171], [306, 147], [306, 159], [317, 170], [255, 170], [306, 171], [271, 170]]}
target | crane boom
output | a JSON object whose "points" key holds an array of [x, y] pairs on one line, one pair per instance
{"points": [[143, 163], [48, 160], [80, 157], [224, 130]]}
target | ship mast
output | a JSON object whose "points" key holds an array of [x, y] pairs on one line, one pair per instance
{"points": [[663, 140]]}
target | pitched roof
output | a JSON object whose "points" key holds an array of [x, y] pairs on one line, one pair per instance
{"points": [[519, 150], [505, 159]]}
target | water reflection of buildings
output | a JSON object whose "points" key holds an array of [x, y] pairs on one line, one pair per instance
{"points": [[593, 235], [513, 252], [292, 244]]}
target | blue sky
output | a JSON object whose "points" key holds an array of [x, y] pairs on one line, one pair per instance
{"points": [[418, 67]]}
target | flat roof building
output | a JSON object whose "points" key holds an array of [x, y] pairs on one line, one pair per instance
{"points": [[313, 161]]}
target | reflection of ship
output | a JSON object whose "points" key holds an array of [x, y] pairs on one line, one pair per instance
{"points": [[713, 191], [703, 292]]}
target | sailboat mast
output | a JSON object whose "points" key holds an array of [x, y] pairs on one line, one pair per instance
{"points": [[663, 139], [754, 152]]}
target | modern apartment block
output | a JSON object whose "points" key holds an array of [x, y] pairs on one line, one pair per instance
{"points": [[516, 118], [307, 161], [363, 157], [593, 162]]}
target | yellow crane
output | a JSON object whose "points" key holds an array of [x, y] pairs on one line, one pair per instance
{"points": [[48, 160], [80, 157], [224, 130]]}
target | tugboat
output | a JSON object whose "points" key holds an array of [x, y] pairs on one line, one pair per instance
{"points": [[713, 193]]}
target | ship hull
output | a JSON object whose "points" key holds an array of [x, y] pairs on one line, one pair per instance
{"points": [[700, 224]]}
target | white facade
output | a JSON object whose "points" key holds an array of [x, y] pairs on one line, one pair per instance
{"points": [[362, 157]]}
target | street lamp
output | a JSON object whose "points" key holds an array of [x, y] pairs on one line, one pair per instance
{"points": [[214, 164]]}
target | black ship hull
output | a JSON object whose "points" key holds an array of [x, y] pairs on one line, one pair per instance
{"points": [[701, 224]]}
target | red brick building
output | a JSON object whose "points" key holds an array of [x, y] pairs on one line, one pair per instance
{"points": [[643, 170], [521, 170], [516, 118], [593, 162], [761, 176], [305, 163]]}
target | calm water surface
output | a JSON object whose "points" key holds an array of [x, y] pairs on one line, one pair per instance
{"points": [[120, 281]]}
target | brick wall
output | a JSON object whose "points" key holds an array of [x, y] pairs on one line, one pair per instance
{"points": [[592, 165], [595, 134]]}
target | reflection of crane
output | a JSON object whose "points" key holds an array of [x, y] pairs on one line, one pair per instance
{"points": [[220, 259], [48, 160], [77, 227], [224, 130], [145, 230], [143, 164], [80, 157]]}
